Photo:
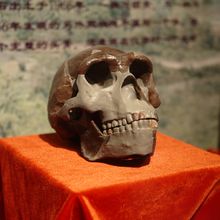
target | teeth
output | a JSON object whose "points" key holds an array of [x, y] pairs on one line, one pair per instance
{"points": [[153, 124], [124, 122], [114, 123], [128, 127], [140, 124], [109, 125], [120, 122], [141, 115], [135, 125], [129, 118], [145, 123], [116, 130], [110, 131], [131, 122], [104, 126], [135, 116], [122, 128]]}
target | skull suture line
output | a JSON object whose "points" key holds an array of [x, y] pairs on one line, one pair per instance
{"points": [[107, 98]]}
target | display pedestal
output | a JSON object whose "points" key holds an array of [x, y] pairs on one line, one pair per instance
{"points": [[41, 178]]}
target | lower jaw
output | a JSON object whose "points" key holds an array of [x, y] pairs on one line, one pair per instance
{"points": [[124, 145]]}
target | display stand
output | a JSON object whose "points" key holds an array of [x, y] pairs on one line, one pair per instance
{"points": [[42, 178]]}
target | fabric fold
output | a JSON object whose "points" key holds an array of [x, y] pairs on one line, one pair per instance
{"points": [[43, 178]]}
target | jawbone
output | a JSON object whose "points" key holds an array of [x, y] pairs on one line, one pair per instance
{"points": [[138, 142]]}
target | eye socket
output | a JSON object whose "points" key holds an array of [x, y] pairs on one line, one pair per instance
{"points": [[99, 73], [139, 67], [75, 113]]}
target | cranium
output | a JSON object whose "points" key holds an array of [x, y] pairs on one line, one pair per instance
{"points": [[107, 98]]}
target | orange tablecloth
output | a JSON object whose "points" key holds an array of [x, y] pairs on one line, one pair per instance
{"points": [[43, 179]]}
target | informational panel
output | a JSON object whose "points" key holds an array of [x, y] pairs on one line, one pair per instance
{"points": [[181, 37]]}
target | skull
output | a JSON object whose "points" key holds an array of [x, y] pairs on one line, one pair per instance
{"points": [[106, 98]]}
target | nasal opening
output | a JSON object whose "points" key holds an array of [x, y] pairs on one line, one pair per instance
{"points": [[129, 80], [130, 89]]}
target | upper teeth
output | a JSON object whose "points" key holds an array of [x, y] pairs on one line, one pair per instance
{"points": [[114, 123], [130, 122], [129, 118], [124, 122]]}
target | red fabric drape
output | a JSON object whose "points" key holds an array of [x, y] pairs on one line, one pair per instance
{"points": [[41, 178]]}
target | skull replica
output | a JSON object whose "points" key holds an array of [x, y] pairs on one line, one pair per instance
{"points": [[107, 98]]}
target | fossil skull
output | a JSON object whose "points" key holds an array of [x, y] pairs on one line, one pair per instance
{"points": [[107, 98]]}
